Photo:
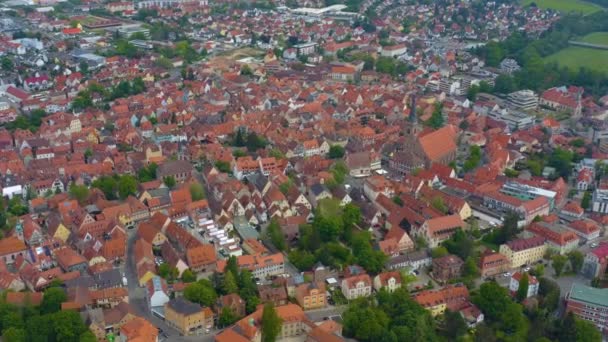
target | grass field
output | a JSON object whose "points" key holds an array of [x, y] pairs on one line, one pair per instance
{"points": [[600, 38], [575, 57], [565, 5]]}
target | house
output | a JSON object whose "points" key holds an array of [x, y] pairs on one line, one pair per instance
{"points": [[403, 241], [294, 323], [595, 262], [447, 267], [10, 248], [438, 229], [273, 294], [390, 281], [524, 251], [492, 263], [376, 185], [202, 258], [317, 193], [361, 164], [69, 260], [450, 297], [584, 179], [138, 329], [157, 293], [261, 266], [533, 284], [186, 317], [311, 296], [232, 302], [357, 286]]}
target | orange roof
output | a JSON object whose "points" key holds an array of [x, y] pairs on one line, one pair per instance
{"points": [[21, 298], [439, 143], [139, 329], [201, 255], [10, 245]]}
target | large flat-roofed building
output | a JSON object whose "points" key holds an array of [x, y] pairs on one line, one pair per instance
{"points": [[523, 99], [590, 304]]}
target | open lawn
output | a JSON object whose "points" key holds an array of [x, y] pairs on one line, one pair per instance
{"points": [[575, 57], [565, 5], [599, 38]]}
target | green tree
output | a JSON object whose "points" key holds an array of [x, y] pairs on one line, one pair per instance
{"points": [[492, 299], [454, 325], [576, 260], [84, 67], [167, 272], [229, 284], [52, 299], [169, 181], [559, 262], [271, 323], [127, 186], [549, 293], [197, 192], [302, 260], [107, 185], [436, 121], [227, 317], [79, 192], [13, 334], [439, 252], [201, 292], [522, 290], [586, 201], [438, 203], [336, 152], [586, 331], [276, 236], [147, 173], [470, 268], [188, 276], [460, 244], [68, 326], [6, 63], [223, 166]]}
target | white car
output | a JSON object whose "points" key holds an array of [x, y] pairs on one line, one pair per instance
{"points": [[506, 274], [527, 269], [593, 245]]}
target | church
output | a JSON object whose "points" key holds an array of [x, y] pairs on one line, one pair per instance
{"points": [[418, 148]]}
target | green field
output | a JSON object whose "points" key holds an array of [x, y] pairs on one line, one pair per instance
{"points": [[575, 57], [599, 38], [565, 5]]}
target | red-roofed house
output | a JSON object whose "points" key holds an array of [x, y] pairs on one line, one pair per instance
{"points": [[596, 261], [563, 99]]}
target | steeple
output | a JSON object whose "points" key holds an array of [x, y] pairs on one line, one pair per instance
{"points": [[412, 117]]}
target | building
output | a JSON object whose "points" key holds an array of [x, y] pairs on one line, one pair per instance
{"points": [[186, 317], [181, 170], [294, 323], [138, 329], [533, 284], [524, 251], [69, 260], [232, 302], [447, 267], [414, 260], [357, 286], [438, 229], [393, 50], [509, 66], [558, 238], [452, 297], [515, 119], [157, 293], [565, 99], [599, 201], [10, 248], [523, 99], [311, 296], [390, 281], [261, 266], [492, 263], [202, 258], [595, 262], [586, 230], [590, 304], [527, 192]]}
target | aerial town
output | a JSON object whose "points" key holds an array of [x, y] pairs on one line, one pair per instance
{"points": [[303, 170]]}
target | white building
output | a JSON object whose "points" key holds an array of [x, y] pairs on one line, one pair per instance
{"points": [[532, 284], [357, 286]]}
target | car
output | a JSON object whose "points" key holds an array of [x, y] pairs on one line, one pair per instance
{"points": [[506, 274], [526, 269], [593, 245]]}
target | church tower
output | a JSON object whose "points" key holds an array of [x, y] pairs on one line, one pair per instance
{"points": [[412, 127]]}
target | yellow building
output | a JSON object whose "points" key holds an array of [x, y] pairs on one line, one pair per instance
{"points": [[311, 296], [524, 251], [187, 317], [61, 233]]}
